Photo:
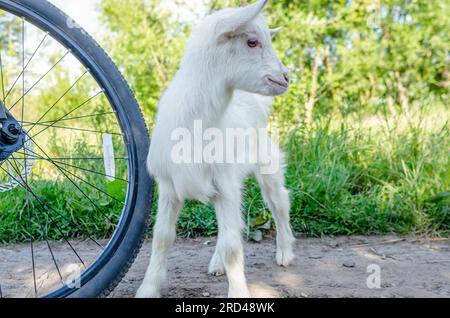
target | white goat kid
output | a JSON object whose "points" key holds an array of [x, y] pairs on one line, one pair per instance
{"points": [[227, 79]]}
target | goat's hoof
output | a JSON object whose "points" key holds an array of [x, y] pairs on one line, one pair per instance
{"points": [[216, 267], [216, 270], [285, 257], [148, 292], [243, 293], [216, 273]]}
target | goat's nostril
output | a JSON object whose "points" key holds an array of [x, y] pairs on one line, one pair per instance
{"points": [[286, 77]]}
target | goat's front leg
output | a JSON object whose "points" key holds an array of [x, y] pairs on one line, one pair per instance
{"points": [[216, 267], [229, 244], [276, 197], [164, 234]]}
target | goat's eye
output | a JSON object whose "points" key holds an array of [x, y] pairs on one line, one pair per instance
{"points": [[252, 43]]}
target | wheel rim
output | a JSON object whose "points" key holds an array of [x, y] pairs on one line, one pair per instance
{"points": [[34, 156]]}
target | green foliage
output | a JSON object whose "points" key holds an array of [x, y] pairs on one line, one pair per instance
{"points": [[351, 62], [364, 125], [70, 215], [346, 181], [146, 46]]}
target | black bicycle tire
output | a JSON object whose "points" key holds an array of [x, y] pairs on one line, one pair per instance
{"points": [[92, 56]]}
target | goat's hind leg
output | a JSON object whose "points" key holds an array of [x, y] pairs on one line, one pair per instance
{"points": [[164, 234], [276, 197]]}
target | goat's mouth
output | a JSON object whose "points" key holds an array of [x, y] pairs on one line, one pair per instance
{"points": [[274, 82]]}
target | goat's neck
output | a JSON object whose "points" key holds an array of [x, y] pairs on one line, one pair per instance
{"points": [[207, 96]]}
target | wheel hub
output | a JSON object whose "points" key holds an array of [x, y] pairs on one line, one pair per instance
{"points": [[12, 139], [12, 136]]}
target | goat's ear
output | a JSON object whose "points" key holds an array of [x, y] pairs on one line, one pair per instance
{"points": [[229, 26], [274, 32]]}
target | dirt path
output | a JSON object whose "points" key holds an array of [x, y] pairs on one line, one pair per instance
{"points": [[329, 267], [410, 267]]}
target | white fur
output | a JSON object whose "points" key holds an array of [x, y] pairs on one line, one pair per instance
{"points": [[224, 83]]}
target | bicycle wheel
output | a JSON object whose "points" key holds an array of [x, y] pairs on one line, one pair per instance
{"points": [[74, 192]]}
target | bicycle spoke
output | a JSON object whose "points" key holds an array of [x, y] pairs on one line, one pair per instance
{"points": [[33, 264], [38, 81], [71, 128], [74, 158], [54, 261], [61, 184], [73, 118], [72, 111], [32, 253], [77, 167], [23, 71], [27, 195], [53, 222], [58, 100], [40, 226], [44, 232], [92, 171], [70, 245], [90, 184], [46, 206], [3, 81], [25, 67], [65, 175]]}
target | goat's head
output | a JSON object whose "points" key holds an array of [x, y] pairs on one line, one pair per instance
{"points": [[237, 42]]}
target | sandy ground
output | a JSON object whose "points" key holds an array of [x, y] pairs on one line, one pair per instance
{"points": [[328, 267]]}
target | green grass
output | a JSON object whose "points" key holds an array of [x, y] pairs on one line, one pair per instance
{"points": [[356, 182], [70, 210], [344, 180]]}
